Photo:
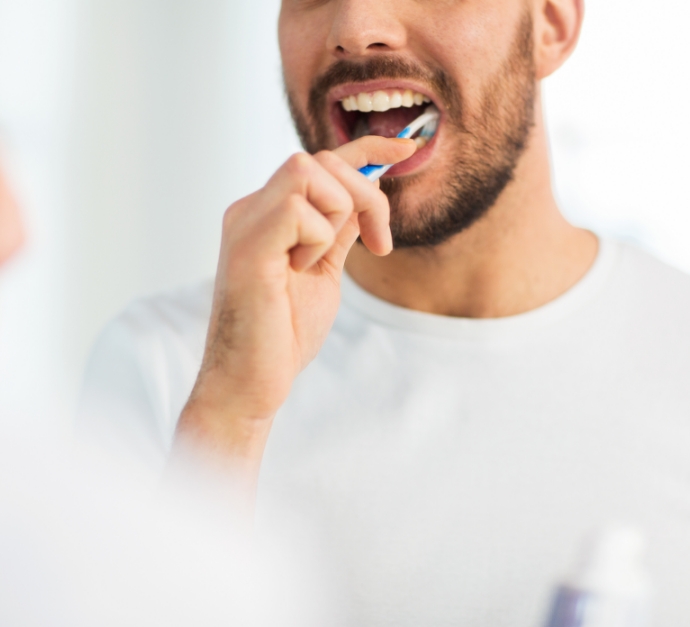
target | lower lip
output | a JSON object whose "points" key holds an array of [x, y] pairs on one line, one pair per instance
{"points": [[416, 161]]}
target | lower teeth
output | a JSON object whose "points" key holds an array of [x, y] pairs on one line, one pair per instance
{"points": [[421, 142]]}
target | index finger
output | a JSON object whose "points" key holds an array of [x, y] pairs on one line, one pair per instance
{"points": [[374, 150]]}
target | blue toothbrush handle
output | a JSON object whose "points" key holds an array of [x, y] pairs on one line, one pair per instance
{"points": [[374, 172], [370, 170]]}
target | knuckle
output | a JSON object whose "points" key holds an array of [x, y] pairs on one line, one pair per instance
{"points": [[237, 209], [299, 164], [327, 157], [230, 214]]}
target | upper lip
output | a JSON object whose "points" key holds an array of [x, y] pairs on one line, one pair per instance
{"points": [[348, 89]]}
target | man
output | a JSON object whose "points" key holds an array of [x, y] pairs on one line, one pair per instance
{"points": [[495, 381]]}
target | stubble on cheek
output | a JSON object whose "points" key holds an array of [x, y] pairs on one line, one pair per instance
{"points": [[484, 149]]}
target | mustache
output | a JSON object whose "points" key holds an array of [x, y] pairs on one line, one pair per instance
{"points": [[440, 82]]}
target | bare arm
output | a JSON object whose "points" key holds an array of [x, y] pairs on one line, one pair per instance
{"points": [[276, 296]]}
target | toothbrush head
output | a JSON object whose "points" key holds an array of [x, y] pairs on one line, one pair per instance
{"points": [[427, 123], [429, 129]]}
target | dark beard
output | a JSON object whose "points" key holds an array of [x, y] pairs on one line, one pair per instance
{"points": [[487, 148]]}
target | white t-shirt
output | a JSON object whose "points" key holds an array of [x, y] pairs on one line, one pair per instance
{"points": [[453, 464]]}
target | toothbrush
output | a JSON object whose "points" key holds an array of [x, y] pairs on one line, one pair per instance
{"points": [[427, 122]]}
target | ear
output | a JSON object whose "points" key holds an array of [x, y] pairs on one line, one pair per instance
{"points": [[557, 29]]}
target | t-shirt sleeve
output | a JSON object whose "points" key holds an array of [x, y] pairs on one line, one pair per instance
{"points": [[117, 408]]}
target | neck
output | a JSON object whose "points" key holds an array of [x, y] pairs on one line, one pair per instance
{"points": [[519, 256]]}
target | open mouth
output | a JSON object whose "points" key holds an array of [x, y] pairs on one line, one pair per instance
{"points": [[383, 112]]}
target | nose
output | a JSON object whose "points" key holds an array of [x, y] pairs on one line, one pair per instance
{"points": [[362, 28]]}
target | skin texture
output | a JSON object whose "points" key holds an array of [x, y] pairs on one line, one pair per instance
{"points": [[284, 247]]}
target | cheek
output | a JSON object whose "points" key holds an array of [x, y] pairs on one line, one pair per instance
{"points": [[471, 43], [302, 42]]}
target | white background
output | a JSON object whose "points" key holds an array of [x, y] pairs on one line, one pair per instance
{"points": [[129, 125]]}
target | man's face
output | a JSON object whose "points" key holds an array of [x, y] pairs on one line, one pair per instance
{"points": [[473, 59]]}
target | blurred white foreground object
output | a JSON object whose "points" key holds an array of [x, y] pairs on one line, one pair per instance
{"points": [[82, 543], [609, 587]]}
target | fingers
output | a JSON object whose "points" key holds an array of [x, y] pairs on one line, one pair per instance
{"points": [[310, 200], [376, 150], [369, 202], [302, 174], [344, 241], [313, 233], [299, 211]]}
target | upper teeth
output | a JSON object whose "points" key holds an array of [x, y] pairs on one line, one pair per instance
{"points": [[383, 100]]}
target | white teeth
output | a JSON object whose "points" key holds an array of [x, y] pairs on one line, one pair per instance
{"points": [[364, 103], [383, 100], [421, 142]]}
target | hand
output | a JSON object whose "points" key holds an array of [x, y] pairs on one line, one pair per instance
{"points": [[277, 288]]}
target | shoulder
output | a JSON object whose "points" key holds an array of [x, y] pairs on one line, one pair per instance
{"points": [[647, 266], [143, 366], [183, 313], [646, 313], [655, 286]]}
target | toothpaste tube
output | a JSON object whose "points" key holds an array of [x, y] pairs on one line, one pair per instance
{"points": [[609, 587]]}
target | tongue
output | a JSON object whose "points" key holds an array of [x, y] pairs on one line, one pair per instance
{"points": [[391, 122]]}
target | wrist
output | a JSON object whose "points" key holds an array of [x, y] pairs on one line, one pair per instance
{"points": [[224, 430], [217, 454]]}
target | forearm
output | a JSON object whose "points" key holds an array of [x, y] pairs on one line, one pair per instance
{"points": [[277, 294], [218, 439], [223, 437]]}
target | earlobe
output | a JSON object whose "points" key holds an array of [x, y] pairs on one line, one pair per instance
{"points": [[557, 29]]}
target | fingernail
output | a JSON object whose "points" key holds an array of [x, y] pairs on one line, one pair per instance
{"points": [[400, 140]]}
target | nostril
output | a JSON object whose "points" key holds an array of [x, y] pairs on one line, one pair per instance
{"points": [[378, 46]]}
